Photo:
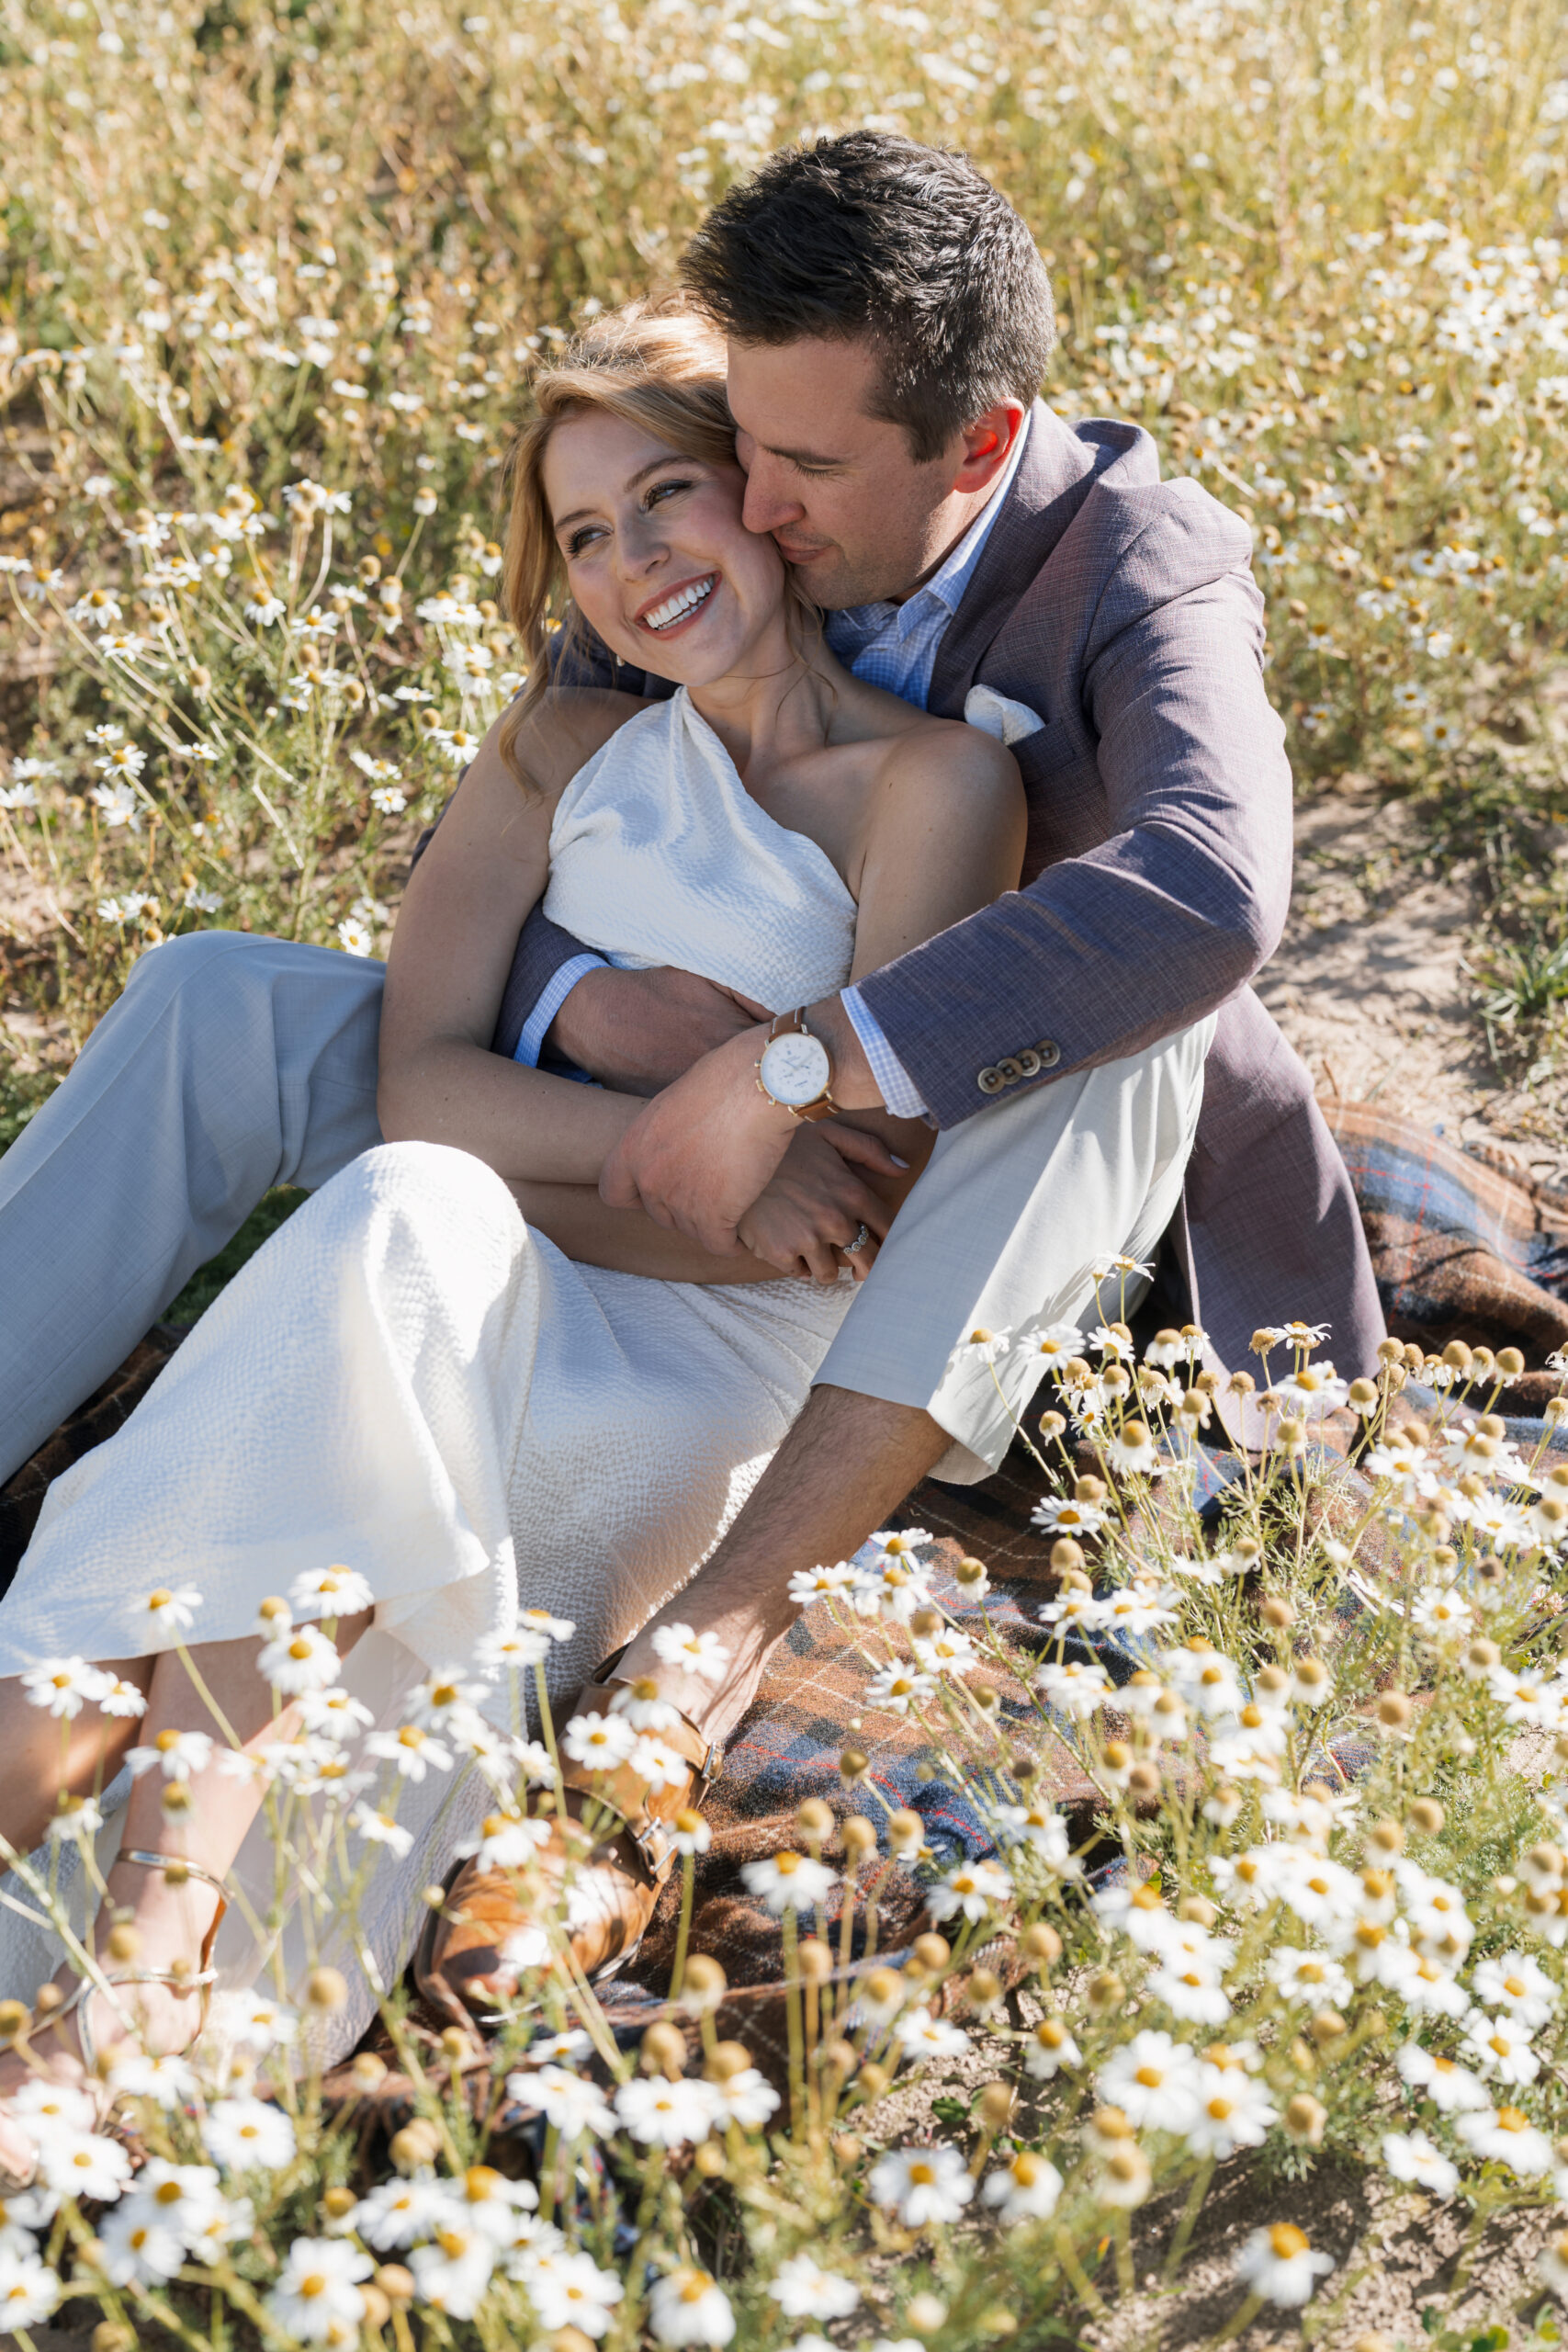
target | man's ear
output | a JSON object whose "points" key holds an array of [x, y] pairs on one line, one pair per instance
{"points": [[988, 445]]}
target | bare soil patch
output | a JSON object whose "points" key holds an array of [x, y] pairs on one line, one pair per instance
{"points": [[1371, 985]]}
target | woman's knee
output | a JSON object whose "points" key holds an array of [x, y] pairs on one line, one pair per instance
{"points": [[415, 1182]]}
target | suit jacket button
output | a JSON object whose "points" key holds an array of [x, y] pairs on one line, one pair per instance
{"points": [[1050, 1053], [1007, 1070], [991, 1081], [1028, 1063]]}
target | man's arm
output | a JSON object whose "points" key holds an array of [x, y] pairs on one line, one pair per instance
{"points": [[1106, 953]]}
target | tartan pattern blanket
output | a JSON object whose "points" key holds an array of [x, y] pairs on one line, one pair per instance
{"points": [[1461, 1246]]}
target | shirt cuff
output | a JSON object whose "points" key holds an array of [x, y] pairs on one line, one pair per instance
{"points": [[559, 985], [894, 1083]]}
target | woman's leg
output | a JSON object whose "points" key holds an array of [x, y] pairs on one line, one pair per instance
{"points": [[169, 1919], [47, 1757]]}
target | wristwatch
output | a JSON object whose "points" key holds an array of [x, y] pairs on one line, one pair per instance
{"points": [[794, 1070]]}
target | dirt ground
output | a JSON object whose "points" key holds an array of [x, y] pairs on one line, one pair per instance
{"points": [[1370, 987]]}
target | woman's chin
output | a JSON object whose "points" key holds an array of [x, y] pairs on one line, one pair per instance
{"points": [[695, 656]]}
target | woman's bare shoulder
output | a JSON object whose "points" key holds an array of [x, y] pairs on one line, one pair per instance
{"points": [[565, 728], [945, 752]]}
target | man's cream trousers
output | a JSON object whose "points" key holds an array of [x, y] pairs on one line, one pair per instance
{"points": [[234, 1063]]}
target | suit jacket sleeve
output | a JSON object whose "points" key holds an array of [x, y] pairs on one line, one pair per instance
{"points": [[1105, 953]]}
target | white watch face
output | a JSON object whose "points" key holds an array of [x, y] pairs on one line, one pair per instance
{"points": [[796, 1070]]}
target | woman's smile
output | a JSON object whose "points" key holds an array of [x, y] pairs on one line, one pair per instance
{"points": [[672, 608]]}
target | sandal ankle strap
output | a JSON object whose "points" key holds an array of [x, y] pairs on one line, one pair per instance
{"points": [[81, 1992], [175, 1868]]}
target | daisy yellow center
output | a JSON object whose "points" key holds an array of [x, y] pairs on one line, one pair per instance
{"points": [[1050, 2034], [695, 2286], [1026, 2170], [1220, 2109], [312, 2284], [1285, 2241], [1151, 2077], [159, 1599], [299, 1648], [1500, 2043], [786, 1865], [1444, 2067], [1512, 2119], [452, 2243], [1515, 1986], [921, 2175], [443, 1695], [410, 1738]]}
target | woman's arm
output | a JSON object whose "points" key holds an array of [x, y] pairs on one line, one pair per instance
{"points": [[457, 931], [945, 836]]}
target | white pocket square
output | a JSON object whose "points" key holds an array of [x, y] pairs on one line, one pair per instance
{"points": [[995, 714]]}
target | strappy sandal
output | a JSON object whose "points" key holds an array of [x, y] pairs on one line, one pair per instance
{"points": [[462, 1963], [77, 2001]]}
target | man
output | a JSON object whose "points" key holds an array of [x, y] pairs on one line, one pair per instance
{"points": [[889, 320]]}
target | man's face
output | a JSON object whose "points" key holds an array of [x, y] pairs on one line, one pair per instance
{"points": [[846, 503]]}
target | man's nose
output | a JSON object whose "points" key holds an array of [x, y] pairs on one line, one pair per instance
{"points": [[771, 501]]}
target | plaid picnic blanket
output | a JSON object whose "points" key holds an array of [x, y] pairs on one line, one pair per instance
{"points": [[1462, 1246]]}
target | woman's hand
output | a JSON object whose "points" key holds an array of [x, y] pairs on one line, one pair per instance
{"points": [[816, 1204]]}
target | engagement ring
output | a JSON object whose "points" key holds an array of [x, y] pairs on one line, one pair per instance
{"points": [[862, 1235]]}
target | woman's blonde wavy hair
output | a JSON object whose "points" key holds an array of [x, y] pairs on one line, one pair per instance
{"points": [[659, 365]]}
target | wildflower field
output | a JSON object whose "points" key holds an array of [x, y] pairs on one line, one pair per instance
{"points": [[271, 281]]}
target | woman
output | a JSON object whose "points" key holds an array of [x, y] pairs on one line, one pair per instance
{"points": [[455, 1369]]}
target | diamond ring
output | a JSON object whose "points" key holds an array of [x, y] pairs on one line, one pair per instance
{"points": [[862, 1235]]}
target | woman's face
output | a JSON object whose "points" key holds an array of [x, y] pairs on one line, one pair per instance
{"points": [[657, 557]]}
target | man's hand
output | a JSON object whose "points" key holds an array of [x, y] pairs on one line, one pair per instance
{"points": [[703, 1149], [708, 1146], [641, 1031]]}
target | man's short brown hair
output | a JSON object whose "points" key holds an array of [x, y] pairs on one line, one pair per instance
{"points": [[910, 247]]}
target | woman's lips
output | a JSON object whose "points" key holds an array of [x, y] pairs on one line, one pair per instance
{"points": [[665, 615]]}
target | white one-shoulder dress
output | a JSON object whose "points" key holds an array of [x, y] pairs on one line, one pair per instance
{"points": [[407, 1380]]}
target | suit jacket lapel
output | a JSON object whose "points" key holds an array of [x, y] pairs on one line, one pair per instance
{"points": [[1054, 478]]}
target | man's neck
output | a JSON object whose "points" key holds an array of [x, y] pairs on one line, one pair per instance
{"points": [[953, 522], [957, 516]]}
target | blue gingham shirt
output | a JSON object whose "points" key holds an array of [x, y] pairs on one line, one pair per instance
{"points": [[894, 646]]}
